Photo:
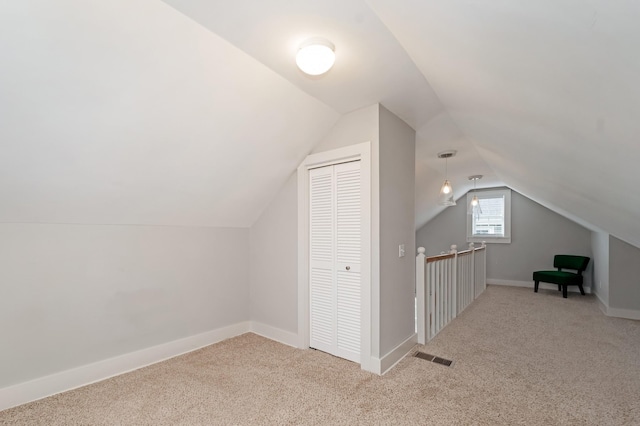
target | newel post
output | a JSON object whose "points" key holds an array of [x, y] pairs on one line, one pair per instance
{"points": [[421, 299]]}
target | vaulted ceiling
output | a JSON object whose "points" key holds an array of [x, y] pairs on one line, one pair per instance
{"points": [[192, 112]]}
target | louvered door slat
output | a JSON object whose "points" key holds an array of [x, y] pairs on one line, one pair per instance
{"points": [[322, 212]]}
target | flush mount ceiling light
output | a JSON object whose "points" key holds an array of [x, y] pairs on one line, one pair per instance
{"points": [[446, 192], [316, 56], [474, 206]]}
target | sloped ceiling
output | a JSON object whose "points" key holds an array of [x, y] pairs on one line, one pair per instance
{"points": [[192, 112], [123, 112], [371, 66], [547, 91]]}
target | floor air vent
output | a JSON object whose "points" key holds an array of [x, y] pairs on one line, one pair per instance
{"points": [[434, 358]]}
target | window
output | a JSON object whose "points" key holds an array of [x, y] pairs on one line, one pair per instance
{"points": [[492, 221]]}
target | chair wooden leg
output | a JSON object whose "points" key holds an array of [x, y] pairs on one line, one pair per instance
{"points": [[564, 291], [559, 287], [581, 289], [535, 287]]}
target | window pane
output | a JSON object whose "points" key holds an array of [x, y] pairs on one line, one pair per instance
{"points": [[490, 221], [493, 225]]}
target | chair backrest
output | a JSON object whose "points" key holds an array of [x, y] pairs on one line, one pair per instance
{"points": [[567, 261]]}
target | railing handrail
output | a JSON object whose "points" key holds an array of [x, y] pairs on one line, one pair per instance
{"points": [[440, 257], [460, 253]]}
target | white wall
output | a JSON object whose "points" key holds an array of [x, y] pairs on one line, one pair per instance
{"points": [[76, 294], [537, 234], [600, 249], [353, 128], [624, 291], [397, 226], [274, 239], [273, 259]]}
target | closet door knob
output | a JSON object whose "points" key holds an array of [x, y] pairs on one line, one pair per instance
{"points": [[348, 268]]}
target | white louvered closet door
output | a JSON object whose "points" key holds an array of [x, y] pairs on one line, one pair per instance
{"points": [[335, 250]]}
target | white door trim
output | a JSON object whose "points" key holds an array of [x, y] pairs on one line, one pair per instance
{"points": [[360, 152]]}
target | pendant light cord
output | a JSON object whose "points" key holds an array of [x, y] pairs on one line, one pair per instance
{"points": [[446, 174]]}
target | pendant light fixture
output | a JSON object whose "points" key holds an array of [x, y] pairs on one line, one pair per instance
{"points": [[474, 207], [446, 192]]}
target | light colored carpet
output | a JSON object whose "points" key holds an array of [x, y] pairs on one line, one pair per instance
{"points": [[520, 358]]}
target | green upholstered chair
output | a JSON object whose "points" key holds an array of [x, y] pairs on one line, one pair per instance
{"points": [[563, 278]]}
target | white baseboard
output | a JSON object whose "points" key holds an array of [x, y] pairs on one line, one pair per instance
{"points": [[22, 393], [380, 366], [531, 284], [273, 333], [387, 362], [632, 314]]}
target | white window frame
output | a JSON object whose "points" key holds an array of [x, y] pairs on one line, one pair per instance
{"points": [[495, 193]]}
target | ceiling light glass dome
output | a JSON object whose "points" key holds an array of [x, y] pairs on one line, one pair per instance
{"points": [[316, 56]]}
